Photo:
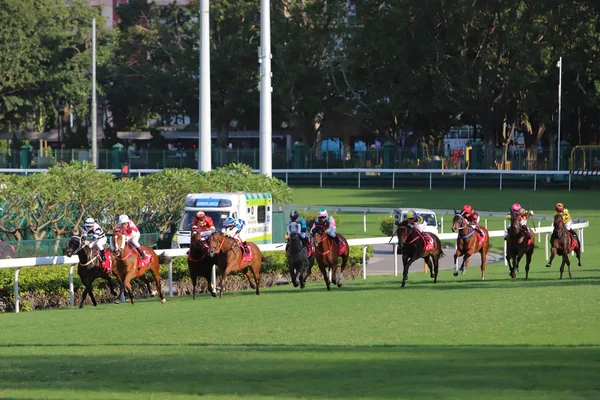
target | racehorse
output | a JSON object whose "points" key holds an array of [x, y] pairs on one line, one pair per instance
{"points": [[563, 244], [230, 257], [89, 267], [517, 245], [200, 263], [297, 259], [414, 246], [128, 264], [468, 243], [327, 255]]}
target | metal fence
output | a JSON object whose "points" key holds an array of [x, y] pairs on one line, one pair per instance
{"points": [[298, 157]]}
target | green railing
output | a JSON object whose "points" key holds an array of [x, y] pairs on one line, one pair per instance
{"points": [[299, 157]]}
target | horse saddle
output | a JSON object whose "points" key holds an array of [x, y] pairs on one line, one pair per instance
{"points": [[529, 232], [310, 249], [429, 243], [246, 257]]}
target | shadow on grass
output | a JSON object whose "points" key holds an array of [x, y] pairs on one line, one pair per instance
{"points": [[293, 371]]}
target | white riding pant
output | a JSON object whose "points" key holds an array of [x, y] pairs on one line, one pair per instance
{"points": [[134, 239], [569, 225], [99, 244], [241, 235], [331, 232]]}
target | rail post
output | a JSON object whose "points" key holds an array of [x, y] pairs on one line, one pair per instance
{"points": [[395, 247], [364, 254], [17, 290], [365, 221], [171, 278], [71, 286], [546, 246]]}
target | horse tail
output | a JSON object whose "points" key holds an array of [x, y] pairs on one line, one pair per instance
{"points": [[164, 259]]}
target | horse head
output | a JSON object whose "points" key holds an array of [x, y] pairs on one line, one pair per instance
{"points": [[458, 222], [559, 225], [402, 232], [74, 246], [217, 242], [515, 224], [118, 241], [294, 243], [319, 234]]}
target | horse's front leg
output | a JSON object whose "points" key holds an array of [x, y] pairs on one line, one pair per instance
{"points": [[249, 276], [562, 266], [511, 271], [325, 276], [406, 262], [293, 274], [465, 263], [568, 265], [549, 264], [457, 254]]}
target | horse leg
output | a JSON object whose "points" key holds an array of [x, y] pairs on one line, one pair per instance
{"points": [[465, 263], [406, 261], [562, 266], [436, 266], [255, 267], [110, 285], [568, 265], [483, 252], [144, 279], [249, 276], [343, 267], [510, 261], [127, 285], [301, 273], [292, 273], [194, 278], [456, 255], [90, 290], [334, 269], [325, 276], [429, 262], [155, 267], [578, 254], [84, 295], [528, 261], [549, 264]]}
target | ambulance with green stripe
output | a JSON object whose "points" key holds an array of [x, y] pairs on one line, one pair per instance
{"points": [[255, 208]]}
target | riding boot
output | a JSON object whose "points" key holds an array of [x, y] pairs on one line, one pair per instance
{"points": [[142, 255], [506, 234], [338, 240], [246, 248], [102, 256]]}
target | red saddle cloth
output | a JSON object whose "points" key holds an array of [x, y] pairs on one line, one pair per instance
{"points": [[246, 257], [574, 243], [429, 243], [107, 265], [143, 262], [310, 250], [530, 241], [481, 235], [342, 247]]}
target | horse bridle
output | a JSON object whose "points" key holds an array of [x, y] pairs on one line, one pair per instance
{"points": [[301, 247], [462, 220]]}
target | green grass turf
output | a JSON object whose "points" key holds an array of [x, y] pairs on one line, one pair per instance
{"points": [[460, 339]]}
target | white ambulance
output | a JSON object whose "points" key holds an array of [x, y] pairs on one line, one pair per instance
{"points": [[254, 208]]}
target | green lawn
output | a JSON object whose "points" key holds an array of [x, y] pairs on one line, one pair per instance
{"points": [[460, 339]]}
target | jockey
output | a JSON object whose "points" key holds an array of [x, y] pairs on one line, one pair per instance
{"points": [[98, 236], [132, 233], [472, 217], [328, 222], [523, 216], [416, 220], [204, 224], [297, 218], [560, 209], [236, 228]]}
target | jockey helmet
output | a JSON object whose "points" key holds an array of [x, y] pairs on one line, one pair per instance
{"points": [[294, 215], [322, 213], [200, 214], [467, 209], [411, 214], [123, 219], [559, 208], [515, 207], [89, 223], [230, 221]]}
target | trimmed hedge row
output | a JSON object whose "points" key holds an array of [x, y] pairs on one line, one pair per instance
{"points": [[48, 287]]}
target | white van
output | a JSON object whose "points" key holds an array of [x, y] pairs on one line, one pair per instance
{"points": [[254, 208], [428, 216]]}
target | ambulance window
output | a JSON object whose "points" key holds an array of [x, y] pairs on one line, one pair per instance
{"points": [[261, 214], [234, 215]]}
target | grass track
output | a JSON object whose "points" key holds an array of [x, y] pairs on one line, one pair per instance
{"points": [[460, 339]]}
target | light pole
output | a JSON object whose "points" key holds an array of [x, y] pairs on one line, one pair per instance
{"points": [[559, 65], [94, 102], [266, 119], [204, 134]]}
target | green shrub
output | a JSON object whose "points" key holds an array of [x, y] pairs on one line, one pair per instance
{"points": [[387, 225]]}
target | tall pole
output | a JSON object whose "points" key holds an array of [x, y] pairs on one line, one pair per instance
{"points": [[264, 58], [94, 103], [204, 160], [559, 65]]}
